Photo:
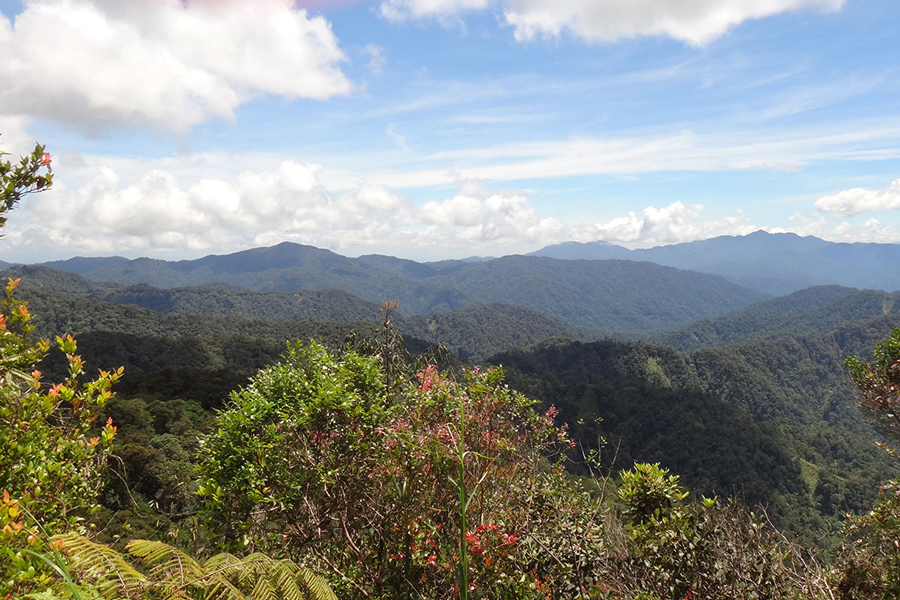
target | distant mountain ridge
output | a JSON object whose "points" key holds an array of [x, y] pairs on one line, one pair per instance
{"points": [[771, 263], [610, 297]]}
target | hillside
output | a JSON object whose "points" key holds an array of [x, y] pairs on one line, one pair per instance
{"points": [[211, 300], [475, 332], [191, 340], [770, 421], [611, 297], [774, 264], [813, 310]]}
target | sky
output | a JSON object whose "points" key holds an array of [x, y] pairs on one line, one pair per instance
{"points": [[432, 129]]}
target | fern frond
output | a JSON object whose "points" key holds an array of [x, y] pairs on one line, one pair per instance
{"points": [[316, 586], [112, 575], [270, 579], [245, 571], [168, 562], [219, 588], [263, 590], [284, 578]]}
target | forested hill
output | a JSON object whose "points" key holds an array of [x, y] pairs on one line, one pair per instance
{"points": [[611, 297], [809, 311], [771, 421], [191, 326], [775, 264], [300, 305]]}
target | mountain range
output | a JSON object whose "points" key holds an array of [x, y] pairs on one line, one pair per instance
{"points": [[609, 297], [770, 263]]}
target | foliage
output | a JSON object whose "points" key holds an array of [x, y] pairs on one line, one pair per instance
{"points": [[52, 454], [677, 549], [316, 459], [869, 567], [870, 562], [51, 460], [18, 180], [878, 384], [768, 423]]}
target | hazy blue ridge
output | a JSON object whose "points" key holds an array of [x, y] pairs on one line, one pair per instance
{"points": [[775, 264]]}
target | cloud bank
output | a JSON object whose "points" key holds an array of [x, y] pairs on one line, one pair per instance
{"points": [[160, 64], [158, 213]]}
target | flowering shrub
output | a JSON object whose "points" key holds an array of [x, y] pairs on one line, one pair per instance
{"points": [[315, 459]]}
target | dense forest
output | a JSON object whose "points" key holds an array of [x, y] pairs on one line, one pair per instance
{"points": [[482, 439]]}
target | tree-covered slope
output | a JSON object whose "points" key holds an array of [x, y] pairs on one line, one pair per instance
{"points": [[813, 310], [478, 331], [299, 305], [613, 297], [771, 422]]}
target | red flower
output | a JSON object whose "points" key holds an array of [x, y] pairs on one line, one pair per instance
{"points": [[45, 160]]}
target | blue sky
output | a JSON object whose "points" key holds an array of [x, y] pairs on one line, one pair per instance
{"points": [[447, 128]]}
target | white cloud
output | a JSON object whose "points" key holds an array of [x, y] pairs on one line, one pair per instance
{"points": [[857, 200], [871, 230], [784, 150], [478, 220], [165, 211], [163, 64], [696, 22], [670, 224], [158, 213], [14, 137]]}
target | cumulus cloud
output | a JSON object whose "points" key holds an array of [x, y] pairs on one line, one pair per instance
{"points": [[158, 213], [476, 220], [857, 200], [163, 64], [697, 22], [870, 230], [670, 224]]}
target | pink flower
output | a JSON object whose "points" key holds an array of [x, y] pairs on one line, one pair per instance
{"points": [[45, 160]]}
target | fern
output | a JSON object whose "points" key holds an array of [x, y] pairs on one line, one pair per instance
{"points": [[108, 570], [169, 563], [171, 574]]}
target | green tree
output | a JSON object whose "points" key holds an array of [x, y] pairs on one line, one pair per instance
{"points": [[870, 562], [878, 384]]}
